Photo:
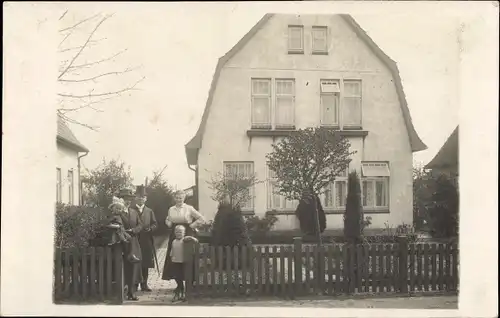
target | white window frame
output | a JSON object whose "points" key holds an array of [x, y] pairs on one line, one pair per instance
{"points": [[283, 203], [240, 164], [296, 50], [71, 188], [317, 29], [58, 185], [332, 187], [372, 181], [260, 95], [284, 96], [336, 93], [345, 96]]}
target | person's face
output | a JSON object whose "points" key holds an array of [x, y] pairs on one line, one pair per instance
{"points": [[179, 198], [116, 209], [127, 200], [141, 200], [179, 234]]}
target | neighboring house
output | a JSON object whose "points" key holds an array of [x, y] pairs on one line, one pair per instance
{"points": [[446, 160], [69, 149], [298, 71]]}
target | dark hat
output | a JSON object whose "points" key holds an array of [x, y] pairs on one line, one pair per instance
{"points": [[124, 193], [140, 191]]}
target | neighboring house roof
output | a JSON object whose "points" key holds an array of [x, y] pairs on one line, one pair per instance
{"points": [[66, 136], [447, 156], [194, 144]]}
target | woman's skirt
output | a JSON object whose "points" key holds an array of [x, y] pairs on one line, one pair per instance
{"points": [[168, 270], [132, 270]]}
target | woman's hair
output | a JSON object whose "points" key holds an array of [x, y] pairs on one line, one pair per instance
{"points": [[117, 201], [180, 228], [180, 192]]}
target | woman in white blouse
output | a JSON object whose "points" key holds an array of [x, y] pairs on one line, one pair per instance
{"points": [[180, 214]]}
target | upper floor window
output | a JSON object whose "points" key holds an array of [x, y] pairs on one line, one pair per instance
{"points": [[375, 185], [58, 185], [319, 40], [351, 108], [276, 112], [71, 190], [295, 39], [340, 103], [241, 171]]}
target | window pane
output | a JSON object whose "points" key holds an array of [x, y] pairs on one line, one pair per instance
{"points": [[368, 193], [352, 88], [295, 38], [284, 111], [285, 87], [329, 107], [351, 111], [340, 193], [319, 39], [260, 110], [261, 87], [328, 197], [381, 193]]}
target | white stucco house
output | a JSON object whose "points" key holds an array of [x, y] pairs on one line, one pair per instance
{"points": [[298, 71], [69, 153]]}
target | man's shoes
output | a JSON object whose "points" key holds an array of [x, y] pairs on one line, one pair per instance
{"points": [[145, 288]]}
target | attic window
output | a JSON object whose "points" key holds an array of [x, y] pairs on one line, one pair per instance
{"points": [[375, 169], [319, 40], [296, 39]]}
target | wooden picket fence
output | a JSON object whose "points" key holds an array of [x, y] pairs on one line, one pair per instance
{"points": [[88, 274], [300, 269]]}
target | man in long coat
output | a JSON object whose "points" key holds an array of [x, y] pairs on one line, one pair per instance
{"points": [[145, 236]]}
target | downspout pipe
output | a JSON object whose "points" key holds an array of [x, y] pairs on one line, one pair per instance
{"points": [[195, 192], [80, 196]]}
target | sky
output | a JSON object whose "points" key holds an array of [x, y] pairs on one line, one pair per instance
{"points": [[175, 47]]}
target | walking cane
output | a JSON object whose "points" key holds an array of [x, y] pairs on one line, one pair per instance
{"points": [[154, 255]]}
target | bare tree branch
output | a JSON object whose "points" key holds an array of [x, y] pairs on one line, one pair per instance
{"points": [[90, 95], [90, 44], [65, 38], [87, 105], [77, 24], [63, 15], [95, 77], [98, 62], [70, 120], [84, 45]]}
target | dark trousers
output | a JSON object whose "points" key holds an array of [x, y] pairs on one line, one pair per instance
{"points": [[180, 285], [145, 273]]}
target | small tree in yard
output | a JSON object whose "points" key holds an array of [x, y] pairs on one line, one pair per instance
{"points": [[353, 216], [104, 181], [305, 163], [443, 209], [160, 198]]}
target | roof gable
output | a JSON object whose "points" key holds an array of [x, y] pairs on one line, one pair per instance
{"points": [[66, 136], [193, 146], [447, 156]]}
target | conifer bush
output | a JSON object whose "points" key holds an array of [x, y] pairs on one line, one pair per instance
{"points": [[353, 216]]}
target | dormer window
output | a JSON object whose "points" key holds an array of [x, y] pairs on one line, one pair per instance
{"points": [[319, 40], [295, 39]]}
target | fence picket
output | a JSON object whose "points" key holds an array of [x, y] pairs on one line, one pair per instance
{"points": [[213, 284], [244, 265], [290, 264], [359, 267], [345, 269], [447, 269], [412, 267], [275, 270], [84, 277], [267, 270], [75, 273], [426, 267], [420, 277], [109, 274], [433, 266], [315, 269], [206, 268], [308, 269], [252, 269], [100, 254], [93, 278], [118, 262], [455, 263], [282, 271], [366, 268], [330, 253], [236, 270], [57, 273], [259, 272], [352, 268], [398, 281], [441, 251], [221, 283], [229, 271]]}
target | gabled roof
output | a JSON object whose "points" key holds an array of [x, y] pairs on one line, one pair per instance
{"points": [[66, 136], [447, 156], [195, 143]]}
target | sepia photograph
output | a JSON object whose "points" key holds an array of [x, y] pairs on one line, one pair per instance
{"points": [[207, 155]]}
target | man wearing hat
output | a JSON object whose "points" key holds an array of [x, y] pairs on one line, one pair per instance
{"points": [[149, 224]]}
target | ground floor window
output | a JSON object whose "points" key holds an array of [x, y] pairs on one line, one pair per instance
{"points": [[375, 185]]}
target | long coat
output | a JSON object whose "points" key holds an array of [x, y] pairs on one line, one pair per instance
{"points": [[148, 220], [132, 271]]}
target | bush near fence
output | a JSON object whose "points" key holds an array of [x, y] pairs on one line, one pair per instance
{"points": [[301, 269]]}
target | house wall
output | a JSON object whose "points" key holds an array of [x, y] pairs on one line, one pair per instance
{"points": [[265, 55], [67, 159]]}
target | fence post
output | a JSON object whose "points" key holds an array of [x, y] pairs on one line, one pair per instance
{"points": [[119, 274], [297, 263], [188, 267], [403, 264]]}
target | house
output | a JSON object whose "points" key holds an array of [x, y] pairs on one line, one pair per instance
{"points": [[69, 153], [298, 71], [446, 160]]}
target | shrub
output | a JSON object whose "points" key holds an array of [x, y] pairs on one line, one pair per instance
{"points": [[306, 213], [443, 208], [229, 229], [353, 216], [76, 226], [260, 225], [391, 234]]}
